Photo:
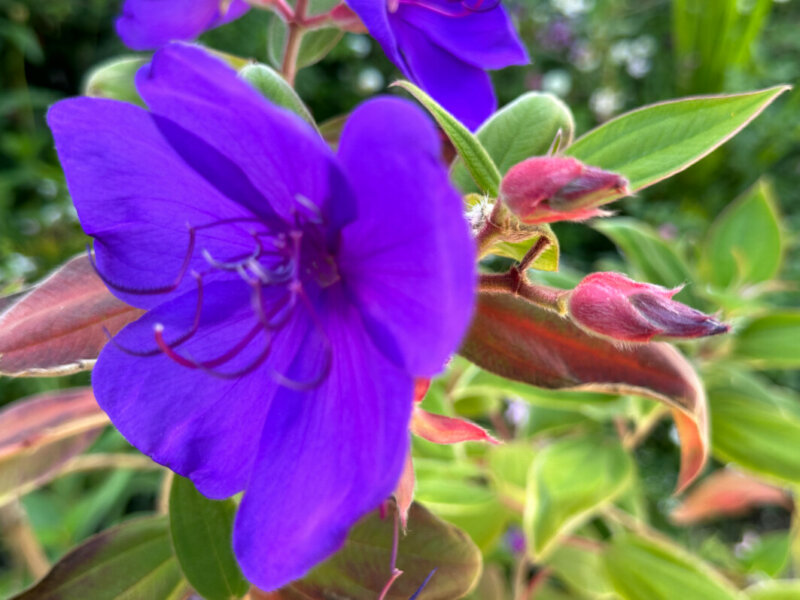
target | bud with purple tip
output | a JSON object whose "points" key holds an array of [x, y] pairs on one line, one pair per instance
{"points": [[613, 306], [544, 189]]}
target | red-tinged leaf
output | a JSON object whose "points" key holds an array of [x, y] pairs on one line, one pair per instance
{"points": [[404, 493], [521, 341], [361, 568], [57, 327], [133, 560], [447, 430], [727, 493], [41, 433], [421, 387]]}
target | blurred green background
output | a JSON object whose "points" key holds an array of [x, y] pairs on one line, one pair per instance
{"points": [[602, 57]]}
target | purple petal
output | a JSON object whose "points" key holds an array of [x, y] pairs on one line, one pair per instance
{"points": [[327, 456], [483, 39], [201, 426], [136, 195], [148, 24], [409, 259], [463, 89], [280, 153], [375, 16]]}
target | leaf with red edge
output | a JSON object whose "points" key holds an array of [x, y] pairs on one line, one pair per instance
{"points": [[518, 340], [421, 387], [41, 433], [56, 328], [727, 493], [440, 429]]}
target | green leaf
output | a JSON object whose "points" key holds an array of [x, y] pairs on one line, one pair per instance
{"points": [[581, 568], [274, 87], [644, 569], [547, 261], [775, 590], [568, 482], [133, 560], [202, 534], [114, 79], [475, 157], [767, 555], [744, 244], [316, 44], [771, 341], [469, 506], [361, 568], [655, 142], [653, 259], [756, 426], [526, 127], [509, 465]]}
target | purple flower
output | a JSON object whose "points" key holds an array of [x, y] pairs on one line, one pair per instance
{"points": [[148, 24], [445, 46], [292, 294]]}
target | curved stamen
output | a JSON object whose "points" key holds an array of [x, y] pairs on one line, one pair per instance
{"points": [[313, 213], [192, 363], [187, 259], [179, 340], [234, 263]]}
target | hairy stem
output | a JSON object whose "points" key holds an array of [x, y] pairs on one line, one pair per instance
{"points": [[514, 282], [293, 42]]}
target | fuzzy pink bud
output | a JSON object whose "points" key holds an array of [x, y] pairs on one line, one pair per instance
{"points": [[613, 306], [544, 189]]}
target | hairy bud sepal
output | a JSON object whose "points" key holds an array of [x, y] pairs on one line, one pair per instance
{"points": [[612, 306], [545, 189]]}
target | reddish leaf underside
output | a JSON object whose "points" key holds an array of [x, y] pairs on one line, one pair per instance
{"points": [[518, 340], [440, 429], [41, 433], [56, 328], [727, 493]]}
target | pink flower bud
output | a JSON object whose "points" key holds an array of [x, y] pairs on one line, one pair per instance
{"points": [[544, 189], [613, 306]]}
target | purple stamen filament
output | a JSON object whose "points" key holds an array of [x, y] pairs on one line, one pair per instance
{"points": [[283, 272]]}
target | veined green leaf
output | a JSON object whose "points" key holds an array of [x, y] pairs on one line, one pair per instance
{"points": [[756, 426], [475, 157], [643, 569], [568, 482], [744, 244], [131, 561], [274, 87], [655, 142], [202, 535], [651, 256], [771, 341]]}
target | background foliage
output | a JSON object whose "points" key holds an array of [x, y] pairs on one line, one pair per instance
{"points": [[726, 227]]}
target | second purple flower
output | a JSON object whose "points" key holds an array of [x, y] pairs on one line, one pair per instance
{"points": [[445, 47]]}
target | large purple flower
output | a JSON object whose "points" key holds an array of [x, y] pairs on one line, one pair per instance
{"points": [[148, 24], [445, 46], [292, 294]]}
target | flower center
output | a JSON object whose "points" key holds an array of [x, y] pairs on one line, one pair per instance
{"points": [[284, 261]]}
